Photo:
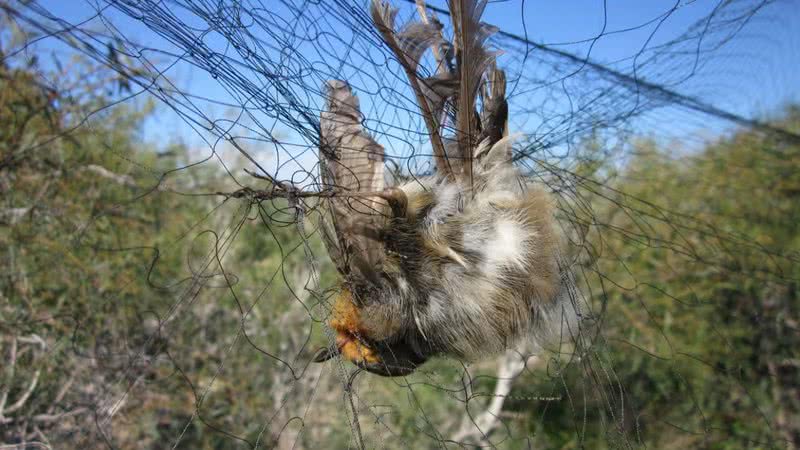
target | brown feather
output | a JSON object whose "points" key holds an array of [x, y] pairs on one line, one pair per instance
{"points": [[409, 46], [351, 162], [472, 59], [494, 116]]}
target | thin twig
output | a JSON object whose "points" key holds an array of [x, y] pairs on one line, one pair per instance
{"points": [[45, 418], [24, 398], [290, 192], [12, 363]]}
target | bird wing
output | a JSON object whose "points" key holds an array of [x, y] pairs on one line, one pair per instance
{"points": [[352, 166]]}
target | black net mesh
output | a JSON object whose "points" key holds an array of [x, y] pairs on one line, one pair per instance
{"points": [[165, 284]]}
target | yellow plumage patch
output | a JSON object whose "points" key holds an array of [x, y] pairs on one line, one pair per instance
{"points": [[346, 322]]}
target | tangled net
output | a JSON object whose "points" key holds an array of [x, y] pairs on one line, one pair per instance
{"points": [[201, 333]]}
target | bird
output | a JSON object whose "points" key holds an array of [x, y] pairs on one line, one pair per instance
{"points": [[464, 262]]}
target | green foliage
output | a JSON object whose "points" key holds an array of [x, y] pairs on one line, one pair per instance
{"points": [[165, 312], [697, 256]]}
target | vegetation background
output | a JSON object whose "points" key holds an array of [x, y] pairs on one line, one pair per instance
{"points": [[141, 309]]}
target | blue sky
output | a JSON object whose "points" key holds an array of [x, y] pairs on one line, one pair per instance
{"points": [[760, 76]]}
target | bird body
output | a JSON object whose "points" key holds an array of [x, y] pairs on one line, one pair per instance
{"points": [[472, 266]]}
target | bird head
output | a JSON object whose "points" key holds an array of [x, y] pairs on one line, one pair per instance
{"points": [[371, 343]]}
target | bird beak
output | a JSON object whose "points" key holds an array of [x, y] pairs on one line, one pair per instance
{"points": [[325, 354], [397, 369], [390, 363]]}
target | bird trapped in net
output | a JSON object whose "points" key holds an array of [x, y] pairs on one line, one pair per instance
{"points": [[461, 263]]}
